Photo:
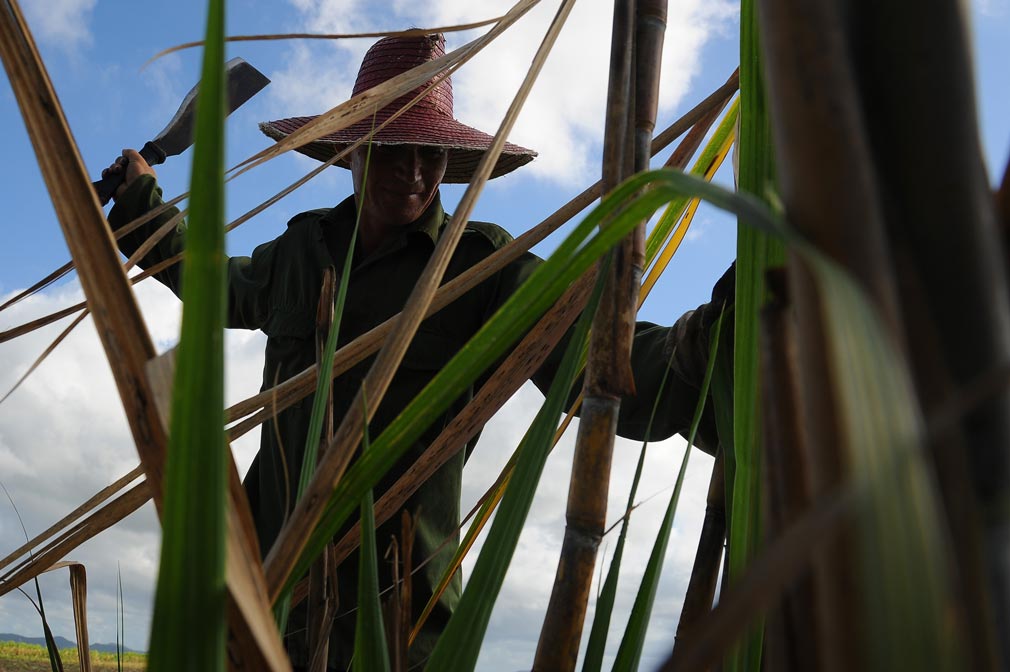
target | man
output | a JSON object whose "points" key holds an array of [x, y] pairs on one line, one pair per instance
{"points": [[397, 200]]}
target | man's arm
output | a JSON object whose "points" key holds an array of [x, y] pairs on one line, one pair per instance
{"points": [[683, 349], [142, 196], [249, 278]]}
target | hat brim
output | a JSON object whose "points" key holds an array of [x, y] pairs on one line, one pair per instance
{"points": [[466, 145]]}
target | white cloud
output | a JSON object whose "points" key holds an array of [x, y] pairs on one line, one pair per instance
{"points": [[309, 84], [166, 85], [63, 437], [61, 22], [564, 117], [992, 8], [698, 230]]}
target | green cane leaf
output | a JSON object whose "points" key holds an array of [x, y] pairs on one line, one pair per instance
{"points": [[459, 645], [630, 652], [370, 651], [191, 577], [756, 251]]}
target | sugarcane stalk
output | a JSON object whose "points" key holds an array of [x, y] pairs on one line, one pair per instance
{"points": [[787, 478], [391, 614], [1003, 212], [319, 616], [559, 638], [608, 372], [705, 572], [405, 594], [828, 185], [941, 215]]}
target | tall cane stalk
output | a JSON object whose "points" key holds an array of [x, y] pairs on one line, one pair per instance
{"points": [[637, 41]]}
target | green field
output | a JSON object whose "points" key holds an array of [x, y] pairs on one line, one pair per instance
{"points": [[16, 657]]}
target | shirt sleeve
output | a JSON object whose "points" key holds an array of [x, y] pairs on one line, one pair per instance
{"points": [[683, 348], [249, 278], [141, 197]]}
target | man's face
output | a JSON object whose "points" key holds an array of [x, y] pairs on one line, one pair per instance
{"points": [[400, 184]]}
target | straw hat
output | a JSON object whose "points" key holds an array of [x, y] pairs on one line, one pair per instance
{"points": [[430, 122]]}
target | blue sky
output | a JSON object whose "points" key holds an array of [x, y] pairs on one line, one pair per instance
{"points": [[62, 437]]}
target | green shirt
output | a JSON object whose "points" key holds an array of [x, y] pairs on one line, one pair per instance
{"points": [[277, 291]]}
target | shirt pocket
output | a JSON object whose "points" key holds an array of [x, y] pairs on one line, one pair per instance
{"points": [[290, 322], [429, 350]]}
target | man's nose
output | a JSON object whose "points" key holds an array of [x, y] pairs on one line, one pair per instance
{"points": [[408, 163]]}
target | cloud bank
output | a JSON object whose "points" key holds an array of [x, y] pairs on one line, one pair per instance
{"points": [[61, 22]]}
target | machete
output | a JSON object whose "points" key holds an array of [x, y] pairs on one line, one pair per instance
{"points": [[244, 82]]}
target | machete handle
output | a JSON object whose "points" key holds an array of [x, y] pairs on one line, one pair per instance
{"points": [[106, 187]]}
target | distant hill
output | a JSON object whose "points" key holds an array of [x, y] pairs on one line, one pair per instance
{"points": [[111, 648], [61, 642]]}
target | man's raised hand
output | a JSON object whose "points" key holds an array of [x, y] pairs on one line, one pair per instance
{"points": [[134, 166]]}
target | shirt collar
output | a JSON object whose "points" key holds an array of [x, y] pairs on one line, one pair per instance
{"points": [[430, 223]]}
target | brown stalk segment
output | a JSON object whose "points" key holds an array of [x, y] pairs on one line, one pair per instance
{"points": [[48, 557], [55, 316], [120, 327], [611, 332], [40, 285], [391, 616], [765, 580], [692, 141], [407, 532], [45, 353], [318, 626], [293, 536], [1003, 212], [67, 267], [826, 171], [517, 368], [249, 615], [650, 31], [828, 184], [705, 573], [941, 215], [790, 630], [93, 502], [79, 595], [254, 643], [608, 375], [331, 36], [38, 323]]}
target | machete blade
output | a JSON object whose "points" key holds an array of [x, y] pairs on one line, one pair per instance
{"points": [[244, 82]]}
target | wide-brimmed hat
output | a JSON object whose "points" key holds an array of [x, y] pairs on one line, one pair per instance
{"points": [[429, 122]]}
